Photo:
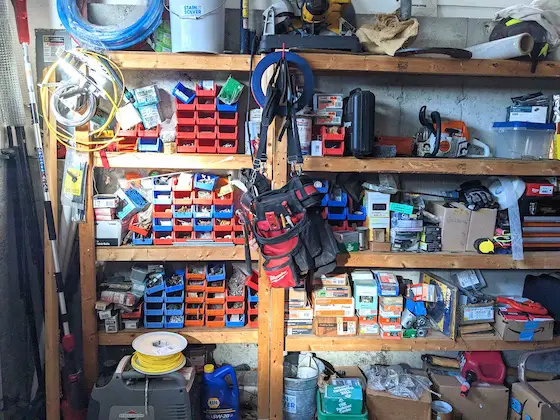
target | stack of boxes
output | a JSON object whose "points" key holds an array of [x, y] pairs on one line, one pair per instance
{"points": [[334, 307], [390, 306], [154, 301], [109, 230], [147, 100], [366, 296], [252, 302], [430, 239], [378, 219], [174, 300], [406, 227], [328, 110], [216, 293], [204, 123], [162, 214], [197, 299], [298, 313]]}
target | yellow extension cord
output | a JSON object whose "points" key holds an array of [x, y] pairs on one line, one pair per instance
{"points": [[156, 365], [63, 136]]}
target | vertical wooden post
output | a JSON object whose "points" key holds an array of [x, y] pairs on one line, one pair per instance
{"points": [[52, 333], [277, 336], [88, 285]]}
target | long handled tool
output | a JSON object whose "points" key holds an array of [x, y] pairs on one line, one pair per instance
{"points": [[73, 405]]}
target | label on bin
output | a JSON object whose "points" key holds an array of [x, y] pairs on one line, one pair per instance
{"points": [[290, 404]]}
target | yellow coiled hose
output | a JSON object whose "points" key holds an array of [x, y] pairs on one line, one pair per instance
{"points": [[157, 365]]}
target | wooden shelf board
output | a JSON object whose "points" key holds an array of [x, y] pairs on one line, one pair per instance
{"points": [[449, 261], [172, 253], [429, 66], [434, 166], [175, 161], [143, 60], [199, 335], [435, 342]]}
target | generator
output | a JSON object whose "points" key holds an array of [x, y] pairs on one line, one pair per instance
{"points": [[129, 394]]}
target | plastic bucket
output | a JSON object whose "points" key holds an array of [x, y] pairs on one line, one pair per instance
{"points": [[197, 25], [517, 140]]}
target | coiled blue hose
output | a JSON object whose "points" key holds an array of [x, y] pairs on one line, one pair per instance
{"points": [[109, 37]]}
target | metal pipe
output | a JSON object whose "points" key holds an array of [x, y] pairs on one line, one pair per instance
{"points": [[406, 9]]}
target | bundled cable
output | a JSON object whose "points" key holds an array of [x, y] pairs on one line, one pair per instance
{"points": [[154, 365], [158, 353], [109, 37]]}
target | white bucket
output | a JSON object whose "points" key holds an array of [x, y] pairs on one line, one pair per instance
{"points": [[197, 25]]}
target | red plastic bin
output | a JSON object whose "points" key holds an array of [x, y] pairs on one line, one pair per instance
{"points": [[221, 227], [181, 236], [187, 132], [162, 211], [186, 118], [182, 197], [180, 106], [130, 133], [163, 238], [205, 103], [230, 298], [203, 201], [215, 321], [207, 132], [206, 146], [186, 146], [194, 320], [227, 147], [228, 118], [238, 238], [234, 311], [151, 133], [178, 227], [127, 145], [195, 309], [223, 236], [206, 93], [226, 132], [206, 118]]}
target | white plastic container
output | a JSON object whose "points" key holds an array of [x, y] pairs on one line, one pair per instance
{"points": [[197, 25], [517, 140]]}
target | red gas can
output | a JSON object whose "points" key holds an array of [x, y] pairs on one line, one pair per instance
{"points": [[481, 366]]}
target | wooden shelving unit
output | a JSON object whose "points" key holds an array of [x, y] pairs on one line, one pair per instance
{"points": [[202, 335], [435, 342], [450, 261], [172, 253], [175, 161], [413, 165], [270, 335]]}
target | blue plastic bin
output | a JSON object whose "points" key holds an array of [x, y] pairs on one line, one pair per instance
{"points": [[252, 295], [180, 311], [222, 212], [178, 287], [159, 287], [337, 213], [324, 188], [146, 144], [153, 321], [215, 277], [162, 197], [221, 107], [338, 203], [206, 186], [169, 324], [182, 214], [157, 226], [183, 93], [175, 297], [235, 324], [198, 213], [141, 240], [357, 217], [198, 228], [153, 309]]}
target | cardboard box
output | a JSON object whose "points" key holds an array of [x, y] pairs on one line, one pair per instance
{"points": [[297, 298], [329, 117], [332, 279], [327, 101], [343, 396], [109, 233], [387, 283], [377, 204], [384, 406], [523, 330], [380, 247], [532, 114], [333, 291], [365, 289], [454, 223], [335, 326], [368, 325], [477, 313], [390, 335], [392, 324], [299, 313], [482, 225], [484, 401], [333, 307], [378, 235], [378, 223], [391, 305], [526, 405]]}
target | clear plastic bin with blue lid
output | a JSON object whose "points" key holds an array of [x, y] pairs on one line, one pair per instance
{"points": [[523, 140]]}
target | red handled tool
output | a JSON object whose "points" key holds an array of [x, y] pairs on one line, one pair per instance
{"points": [[527, 306]]}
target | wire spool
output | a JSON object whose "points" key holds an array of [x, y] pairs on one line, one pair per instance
{"points": [[158, 353], [79, 114]]}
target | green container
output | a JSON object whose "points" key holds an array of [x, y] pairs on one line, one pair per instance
{"points": [[324, 416]]}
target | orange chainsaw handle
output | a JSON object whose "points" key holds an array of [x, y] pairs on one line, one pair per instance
{"points": [[528, 306]]}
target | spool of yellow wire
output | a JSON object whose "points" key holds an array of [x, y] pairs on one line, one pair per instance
{"points": [[158, 353]]}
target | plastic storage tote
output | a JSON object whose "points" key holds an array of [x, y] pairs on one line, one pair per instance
{"points": [[321, 415], [517, 140]]}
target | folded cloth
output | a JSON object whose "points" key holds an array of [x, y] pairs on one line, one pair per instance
{"points": [[388, 34], [544, 12]]}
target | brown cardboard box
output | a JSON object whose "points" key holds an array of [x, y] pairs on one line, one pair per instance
{"points": [[482, 225], [511, 330], [484, 402], [335, 326], [526, 405], [380, 246], [454, 223], [384, 406]]}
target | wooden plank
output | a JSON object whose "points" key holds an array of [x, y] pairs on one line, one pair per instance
{"points": [[436, 342], [447, 261], [88, 288], [172, 253], [277, 295], [429, 66], [138, 60], [203, 335], [434, 166], [175, 161], [52, 332]]}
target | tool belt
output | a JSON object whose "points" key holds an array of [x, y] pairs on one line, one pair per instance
{"points": [[287, 223]]}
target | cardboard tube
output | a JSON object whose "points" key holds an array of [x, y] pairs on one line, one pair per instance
{"points": [[511, 47]]}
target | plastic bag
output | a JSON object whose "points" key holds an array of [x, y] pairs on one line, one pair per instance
{"points": [[396, 381]]}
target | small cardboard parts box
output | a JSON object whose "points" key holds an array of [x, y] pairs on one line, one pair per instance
{"points": [[329, 307], [384, 406], [523, 330], [460, 227], [484, 401], [335, 326], [343, 396], [526, 405]]}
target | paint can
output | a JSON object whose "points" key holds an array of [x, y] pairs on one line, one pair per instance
{"points": [[363, 243], [304, 127]]}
